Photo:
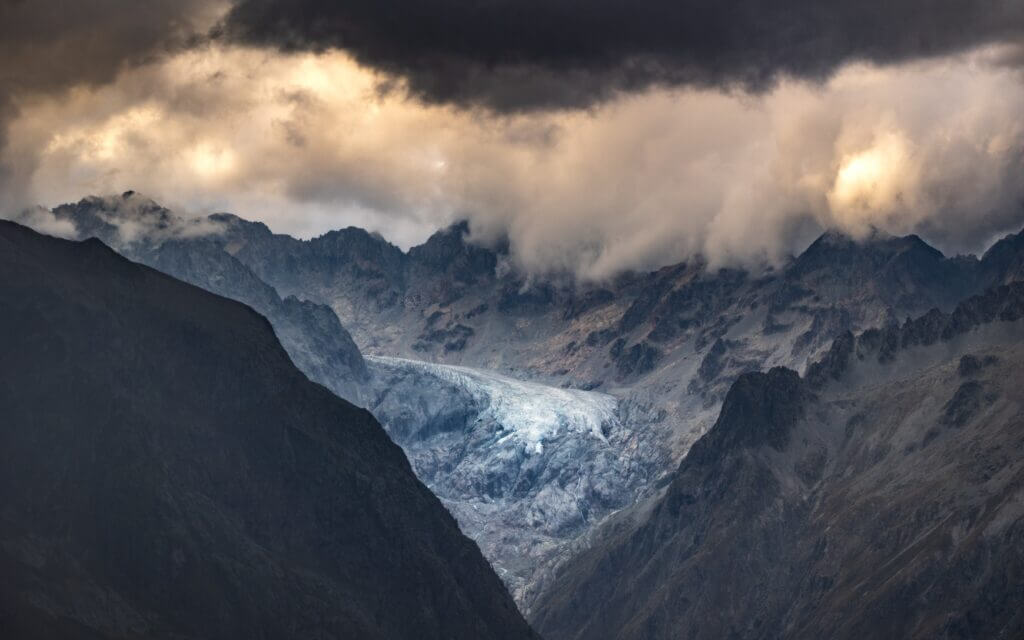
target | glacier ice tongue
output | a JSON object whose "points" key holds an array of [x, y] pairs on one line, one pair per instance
{"points": [[524, 467]]}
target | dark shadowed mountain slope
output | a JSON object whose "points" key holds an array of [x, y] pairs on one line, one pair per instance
{"points": [[166, 472], [310, 332], [191, 251], [880, 496]]}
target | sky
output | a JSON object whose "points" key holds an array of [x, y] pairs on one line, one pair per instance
{"points": [[596, 136]]}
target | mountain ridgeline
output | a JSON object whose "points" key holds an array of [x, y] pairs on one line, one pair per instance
{"points": [[548, 414], [167, 472]]}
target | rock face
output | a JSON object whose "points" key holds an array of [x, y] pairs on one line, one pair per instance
{"points": [[166, 472], [879, 496]]}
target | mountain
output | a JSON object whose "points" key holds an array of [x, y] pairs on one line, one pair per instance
{"points": [[167, 472], [880, 495], [665, 346]]}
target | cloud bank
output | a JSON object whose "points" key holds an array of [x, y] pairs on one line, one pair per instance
{"points": [[908, 125], [304, 142], [48, 47]]}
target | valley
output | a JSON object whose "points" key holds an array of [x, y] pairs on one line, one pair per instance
{"points": [[511, 320], [543, 412]]}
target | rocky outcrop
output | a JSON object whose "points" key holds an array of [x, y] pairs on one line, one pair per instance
{"points": [[637, 360], [1004, 261], [1004, 304]]}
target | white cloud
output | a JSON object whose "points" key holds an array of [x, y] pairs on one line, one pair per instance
{"points": [[44, 221]]}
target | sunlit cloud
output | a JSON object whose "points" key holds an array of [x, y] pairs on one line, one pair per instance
{"points": [[308, 142], [874, 183]]}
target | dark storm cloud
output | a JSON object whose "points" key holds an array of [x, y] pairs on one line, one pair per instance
{"points": [[48, 46], [283, 118], [518, 54]]}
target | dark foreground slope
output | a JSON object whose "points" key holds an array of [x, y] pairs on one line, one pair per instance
{"points": [[143, 231], [880, 496], [165, 471]]}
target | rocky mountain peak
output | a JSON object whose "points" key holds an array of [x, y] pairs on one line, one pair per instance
{"points": [[760, 409], [882, 505], [207, 252], [1004, 261], [447, 251], [836, 249], [235, 225]]}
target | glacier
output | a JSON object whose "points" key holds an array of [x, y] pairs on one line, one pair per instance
{"points": [[527, 413], [524, 467]]}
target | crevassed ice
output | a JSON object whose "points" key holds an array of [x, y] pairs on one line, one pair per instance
{"points": [[531, 412]]}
